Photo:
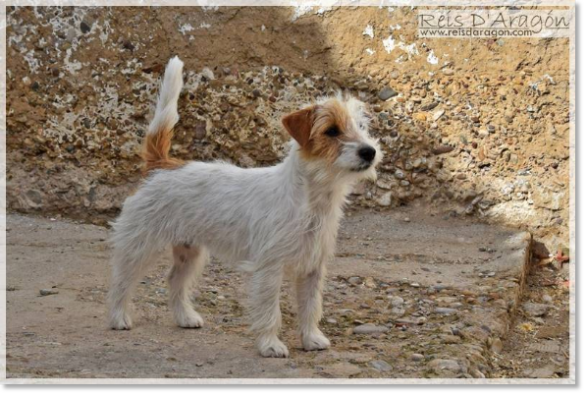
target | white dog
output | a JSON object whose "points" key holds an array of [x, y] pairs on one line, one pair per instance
{"points": [[271, 220]]}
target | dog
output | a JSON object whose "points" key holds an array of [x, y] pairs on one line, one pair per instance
{"points": [[273, 221]]}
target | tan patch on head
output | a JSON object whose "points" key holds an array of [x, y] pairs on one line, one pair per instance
{"points": [[325, 116]]}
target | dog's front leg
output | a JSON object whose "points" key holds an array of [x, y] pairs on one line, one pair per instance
{"points": [[309, 298], [266, 312]]}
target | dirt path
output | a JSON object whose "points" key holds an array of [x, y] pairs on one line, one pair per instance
{"points": [[438, 291]]}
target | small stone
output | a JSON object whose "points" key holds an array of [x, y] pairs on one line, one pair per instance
{"points": [[355, 280], [451, 339], [200, 130], [497, 346], [407, 219], [535, 309], [396, 301], [546, 298], [381, 366], [417, 357], [331, 321], [385, 199], [399, 174], [415, 285], [47, 292], [444, 365], [128, 45], [442, 149], [84, 27], [397, 312], [448, 72], [368, 329], [438, 115], [445, 310], [429, 106], [386, 93]]}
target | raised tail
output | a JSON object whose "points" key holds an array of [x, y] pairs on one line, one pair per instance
{"points": [[158, 139]]}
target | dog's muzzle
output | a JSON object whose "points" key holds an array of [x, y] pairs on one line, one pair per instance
{"points": [[367, 154]]}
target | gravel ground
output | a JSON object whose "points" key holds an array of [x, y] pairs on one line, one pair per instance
{"points": [[410, 295]]}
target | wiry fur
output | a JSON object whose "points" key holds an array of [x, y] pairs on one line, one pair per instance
{"points": [[269, 220]]}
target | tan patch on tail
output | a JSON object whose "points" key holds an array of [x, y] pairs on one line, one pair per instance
{"points": [[155, 152]]}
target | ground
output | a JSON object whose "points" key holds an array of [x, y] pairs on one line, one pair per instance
{"points": [[409, 295]]}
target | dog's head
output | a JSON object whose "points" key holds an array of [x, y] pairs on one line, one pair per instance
{"points": [[334, 132]]}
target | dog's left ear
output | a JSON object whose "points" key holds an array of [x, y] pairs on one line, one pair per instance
{"points": [[299, 124]]}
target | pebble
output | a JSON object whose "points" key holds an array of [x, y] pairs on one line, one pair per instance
{"points": [[497, 346], [381, 366], [535, 309], [444, 310], [429, 106], [438, 115], [355, 280], [47, 292], [84, 27], [396, 301], [386, 93], [368, 329], [477, 374], [441, 365], [546, 298], [397, 311], [385, 199], [451, 339], [417, 357], [442, 149]]}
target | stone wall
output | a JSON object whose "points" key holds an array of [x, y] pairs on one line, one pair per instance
{"points": [[469, 127]]}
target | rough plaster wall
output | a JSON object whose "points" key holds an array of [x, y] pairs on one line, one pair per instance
{"points": [[476, 126]]}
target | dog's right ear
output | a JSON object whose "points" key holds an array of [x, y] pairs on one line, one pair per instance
{"points": [[299, 124]]}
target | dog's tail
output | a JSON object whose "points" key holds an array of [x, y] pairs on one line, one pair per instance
{"points": [[158, 139]]}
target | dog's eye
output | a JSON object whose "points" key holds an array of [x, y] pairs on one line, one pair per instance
{"points": [[333, 132]]}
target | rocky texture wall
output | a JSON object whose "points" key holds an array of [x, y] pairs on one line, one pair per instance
{"points": [[472, 127]]}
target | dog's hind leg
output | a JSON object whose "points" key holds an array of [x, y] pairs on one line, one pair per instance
{"points": [[188, 265], [128, 266]]}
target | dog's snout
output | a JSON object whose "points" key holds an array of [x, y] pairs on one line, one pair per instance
{"points": [[367, 153]]}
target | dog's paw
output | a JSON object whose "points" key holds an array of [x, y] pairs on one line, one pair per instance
{"points": [[272, 347], [121, 322], [315, 341], [189, 319]]}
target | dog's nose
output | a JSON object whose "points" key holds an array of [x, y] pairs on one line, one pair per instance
{"points": [[367, 153]]}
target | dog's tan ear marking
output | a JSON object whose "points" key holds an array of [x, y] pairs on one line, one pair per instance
{"points": [[299, 124]]}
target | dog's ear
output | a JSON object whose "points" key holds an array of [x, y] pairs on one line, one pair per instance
{"points": [[299, 124]]}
